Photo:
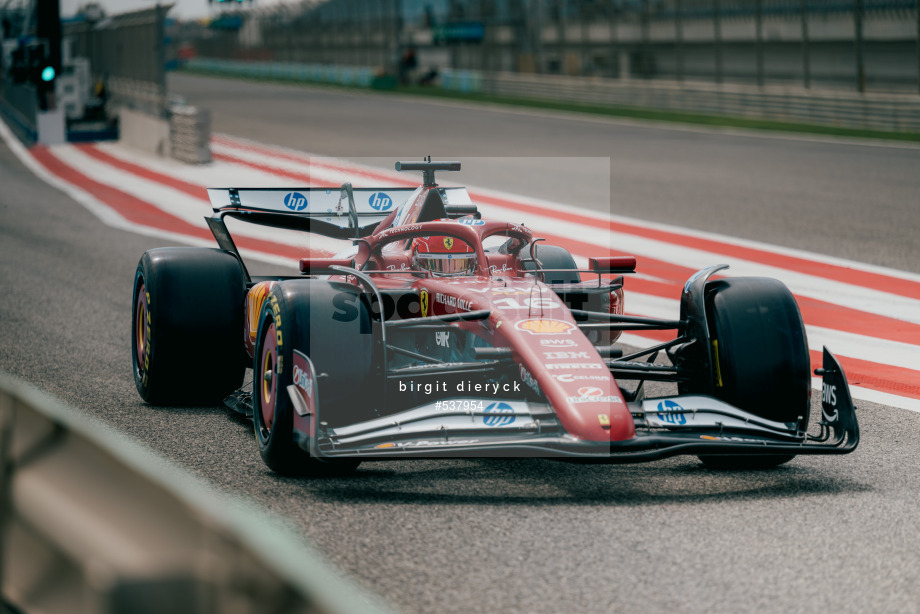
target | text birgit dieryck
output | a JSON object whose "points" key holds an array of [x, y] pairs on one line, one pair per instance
{"points": [[466, 386]]}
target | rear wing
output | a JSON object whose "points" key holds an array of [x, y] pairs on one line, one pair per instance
{"points": [[341, 213]]}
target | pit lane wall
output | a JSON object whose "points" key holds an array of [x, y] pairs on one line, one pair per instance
{"points": [[92, 522], [870, 111]]}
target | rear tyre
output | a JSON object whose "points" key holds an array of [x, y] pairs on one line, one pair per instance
{"points": [[760, 357], [330, 323], [187, 326], [555, 257]]}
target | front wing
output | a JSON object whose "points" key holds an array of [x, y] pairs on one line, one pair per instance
{"points": [[687, 424]]}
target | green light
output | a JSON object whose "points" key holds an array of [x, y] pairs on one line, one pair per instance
{"points": [[48, 74]]}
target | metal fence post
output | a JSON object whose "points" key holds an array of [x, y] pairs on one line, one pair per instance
{"points": [[537, 37], [858, 26], [679, 36], [586, 57], [717, 36], [160, 54], [562, 43], [806, 67], [614, 46], [484, 45], [397, 39], [758, 17], [646, 39]]}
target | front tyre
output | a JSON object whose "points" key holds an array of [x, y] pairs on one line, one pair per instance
{"points": [[760, 357], [272, 411], [288, 320], [187, 325]]}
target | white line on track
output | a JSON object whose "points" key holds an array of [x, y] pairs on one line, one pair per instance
{"points": [[319, 174], [214, 175], [183, 206]]}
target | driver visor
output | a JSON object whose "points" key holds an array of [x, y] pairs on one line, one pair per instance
{"points": [[447, 264]]}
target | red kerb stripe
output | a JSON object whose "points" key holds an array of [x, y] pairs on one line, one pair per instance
{"points": [[143, 213]]}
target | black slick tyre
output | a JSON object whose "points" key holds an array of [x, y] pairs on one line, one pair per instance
{"points": [[760, 357], [187, 323], [330, 323], [558, 258]]}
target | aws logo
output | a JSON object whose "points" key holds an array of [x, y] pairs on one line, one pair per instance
{"points": [[295, 201]]}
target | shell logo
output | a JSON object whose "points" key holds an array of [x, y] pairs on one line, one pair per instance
{"points": [[545, 327]]}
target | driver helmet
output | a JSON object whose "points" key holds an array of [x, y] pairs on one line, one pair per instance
{"points": [[443, 256]]}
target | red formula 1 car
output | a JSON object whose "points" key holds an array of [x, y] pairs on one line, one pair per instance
{"points": [[439, 333]]}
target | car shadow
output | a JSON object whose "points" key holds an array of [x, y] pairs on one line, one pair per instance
{"points": [[504, 482], [542, 481]]}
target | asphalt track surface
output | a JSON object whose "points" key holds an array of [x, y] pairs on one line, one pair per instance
{"points": [[820, 534]]}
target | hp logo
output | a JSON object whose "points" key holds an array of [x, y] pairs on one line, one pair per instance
{"points": [[499, 414], [671, 412], [295, 201], [380, 201]]}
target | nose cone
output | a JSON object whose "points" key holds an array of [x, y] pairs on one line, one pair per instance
{"points": [[567, 367]]}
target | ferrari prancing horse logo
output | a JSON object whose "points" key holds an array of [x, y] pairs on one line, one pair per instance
{"points": [[423, 300], [448, 242]]}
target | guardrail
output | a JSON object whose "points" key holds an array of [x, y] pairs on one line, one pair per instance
{"points": [[129, 51], [892, 112], [94, 523]]}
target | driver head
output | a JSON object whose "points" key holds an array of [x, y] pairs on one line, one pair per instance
{"points": [[443, 256]]}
